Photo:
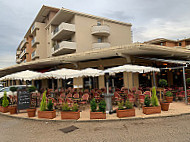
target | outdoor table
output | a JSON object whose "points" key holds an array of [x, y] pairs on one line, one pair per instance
{"points": [[77, 99]]}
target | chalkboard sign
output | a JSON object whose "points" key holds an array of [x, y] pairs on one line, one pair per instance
{"points": [[23, 99]]}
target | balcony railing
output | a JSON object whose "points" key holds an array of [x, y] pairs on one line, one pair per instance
{"points": [[34, 41], [101, 45], [34, 27], [62, 31], [24, 42], [64, 47], [23, 53], [18, 60], [18, 52], [101, 30]]}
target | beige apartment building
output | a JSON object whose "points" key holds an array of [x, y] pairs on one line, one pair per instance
{"points": [[56, 32]]}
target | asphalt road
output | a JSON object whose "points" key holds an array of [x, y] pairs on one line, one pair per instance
{"points": [[173, 129]]}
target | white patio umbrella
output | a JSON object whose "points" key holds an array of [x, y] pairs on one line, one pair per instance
{"points": [[61, 73], [131, 68], [88, 72], [23, 75]]}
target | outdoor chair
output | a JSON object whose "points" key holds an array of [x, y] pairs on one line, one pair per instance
{"points": [[181, 95], [134, 89], [131, 98], [97, 96], [117, 98], [70, 102], [76, 96], [84, 100], [141, 100], [147, 93], [139, 92], [69, 95]]}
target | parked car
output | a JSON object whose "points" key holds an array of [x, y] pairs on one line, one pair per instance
{"points": [[9, 92]]}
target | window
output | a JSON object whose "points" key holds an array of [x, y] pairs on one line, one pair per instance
{"points": [[99, 23], [99, 40], [179, 43], [162, 44]]}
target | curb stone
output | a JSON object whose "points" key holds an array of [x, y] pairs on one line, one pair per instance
{"points": [[99, 120]]}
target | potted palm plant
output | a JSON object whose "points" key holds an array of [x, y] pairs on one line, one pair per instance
{"points": [[169, 97], [125, 110], [46, 110], [70, 112], [97, 114], [151, 104], [5, 103]]}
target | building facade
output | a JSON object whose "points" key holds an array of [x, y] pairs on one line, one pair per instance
{"points": [[56, 32]]}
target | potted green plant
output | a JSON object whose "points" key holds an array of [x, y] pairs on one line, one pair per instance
{"points": [[125, 110], [169, 97], [13, 107], [151, 104], [164, 105], [70, 112], [5, 103], [97, 114], [163, 83], [46, 110]]}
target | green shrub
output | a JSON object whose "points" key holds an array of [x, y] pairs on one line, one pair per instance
{"points": [[188, 80], [169, 94], [102, 106], [93, 105], [66, 107], [154, 98], [120, 106], [5, 101], [31, 89], [163, 82], [75, 107], [50, 105], [147, 101], [43, 104], [128, 105]]}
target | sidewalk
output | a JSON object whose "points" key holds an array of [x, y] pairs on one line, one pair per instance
{"points": [[176, 108]]}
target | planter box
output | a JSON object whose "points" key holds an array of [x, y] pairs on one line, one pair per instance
{"points": [[47, 114], [97, 115], [169, 99], [125, 113], [165, 106], [12, 109], [151, 110], [4, 109], [31, 112], [70, 115]]}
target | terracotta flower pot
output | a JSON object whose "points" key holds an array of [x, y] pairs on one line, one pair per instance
{"points": [[70, 115], [169, 99], [31, 112], [12, 109], [125, 113], [47, 114], [165, 106], [4, 109], [151, 110], [97, 115]]}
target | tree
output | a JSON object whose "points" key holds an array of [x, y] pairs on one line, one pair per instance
{"points": [[154, 98], [43, 104]]}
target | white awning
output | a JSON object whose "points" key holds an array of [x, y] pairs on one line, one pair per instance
{"points": [[23, 75], [61, 73], [131, 68]]}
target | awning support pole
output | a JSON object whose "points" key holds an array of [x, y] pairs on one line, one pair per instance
{"points": [[184, 81], [154, 79]]}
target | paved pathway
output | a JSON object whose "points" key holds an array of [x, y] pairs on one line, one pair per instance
{"points": [[171, 129]]}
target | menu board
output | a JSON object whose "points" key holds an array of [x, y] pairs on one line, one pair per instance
{"points": [[23, 99]]}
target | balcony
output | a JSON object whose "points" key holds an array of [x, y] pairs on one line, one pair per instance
{"points": [[18, 52], [34, 55], [101, 30], [35, 26], [34, 42], [64, 47], [24, 42], [100, 45], [18, 60], [62, 31], [23, 53]]}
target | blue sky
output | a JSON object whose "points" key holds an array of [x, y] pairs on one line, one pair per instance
{"points": [[150, 19]]}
